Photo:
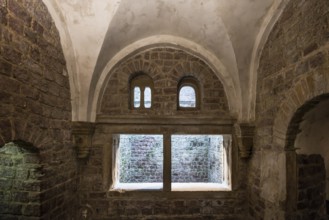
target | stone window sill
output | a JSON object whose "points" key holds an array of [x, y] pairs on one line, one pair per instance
{"points": [[177, 187]]}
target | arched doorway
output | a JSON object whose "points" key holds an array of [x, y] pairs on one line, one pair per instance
{"points": [[307, 146]]}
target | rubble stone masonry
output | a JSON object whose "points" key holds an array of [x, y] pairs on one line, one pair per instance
{"points": [[293, 69], [35, 104]]}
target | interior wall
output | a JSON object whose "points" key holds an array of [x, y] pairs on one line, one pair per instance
{"points": [[166, 66], [35, 100], [311, 203], [293, 69], [313, 138]]}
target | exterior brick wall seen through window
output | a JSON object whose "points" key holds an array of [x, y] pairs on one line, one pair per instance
{"points": [[195, 158]]}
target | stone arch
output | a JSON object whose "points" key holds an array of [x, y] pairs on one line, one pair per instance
{"points": [[13, 129], [266, 28], [69, 54], [230, 80], [294, 161], [300, 99], [166, 66], [305, 90]]}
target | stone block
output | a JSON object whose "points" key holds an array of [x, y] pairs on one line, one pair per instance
{"points": [[5, 68], [10, 208], [11, 55], [16, 24], [317, 60], [19, 11]]}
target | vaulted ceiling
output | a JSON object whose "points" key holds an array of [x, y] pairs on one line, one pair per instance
{"points": [[227, 34]]}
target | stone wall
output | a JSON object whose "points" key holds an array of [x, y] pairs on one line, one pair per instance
{"points": [[141, 159], [20, 181], [216, 160], [35, 99], [311, 187], [166, 66], [95, 192], [293, 69], [194, 159]]}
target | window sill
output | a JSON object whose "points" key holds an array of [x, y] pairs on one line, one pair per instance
{"points": [[179, 187], [122, 187], [176, 187]]}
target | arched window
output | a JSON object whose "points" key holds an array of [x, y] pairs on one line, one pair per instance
{"points": [[141, 88], [188, 94]]}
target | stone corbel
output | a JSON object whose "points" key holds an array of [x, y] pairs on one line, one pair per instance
{"points": [[245, 138], [82, 133]]}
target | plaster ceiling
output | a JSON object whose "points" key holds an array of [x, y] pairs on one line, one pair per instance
{"points": [[227, 34]]}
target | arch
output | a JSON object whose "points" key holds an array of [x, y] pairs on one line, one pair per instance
{"points": [[23, 130], [69, 54], [301, 98], [304, 91], [230, 81], [269, 21], [292, 176]]}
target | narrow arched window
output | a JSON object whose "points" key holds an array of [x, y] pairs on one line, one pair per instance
{"points": [[147, 97], [187, 97], [188, 93], [137, 97], [141, 88]]}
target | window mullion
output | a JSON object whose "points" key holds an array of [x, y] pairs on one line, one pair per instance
{"points": [[167, 162]]}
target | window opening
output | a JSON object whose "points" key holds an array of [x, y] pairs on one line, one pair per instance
{"points": [[137, 97], [200, 162], [141, 92], [139, 161], [187, 97], [147, 97]]}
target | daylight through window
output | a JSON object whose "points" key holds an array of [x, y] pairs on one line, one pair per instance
{"points": [[198, 162], [187, 97]]}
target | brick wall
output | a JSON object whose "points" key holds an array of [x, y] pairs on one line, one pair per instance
{"points": [[194, 159], [94, 191], [35, 99], [311, 187], [293, 69], [20, 173], [141, 159], [166, 67]]}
